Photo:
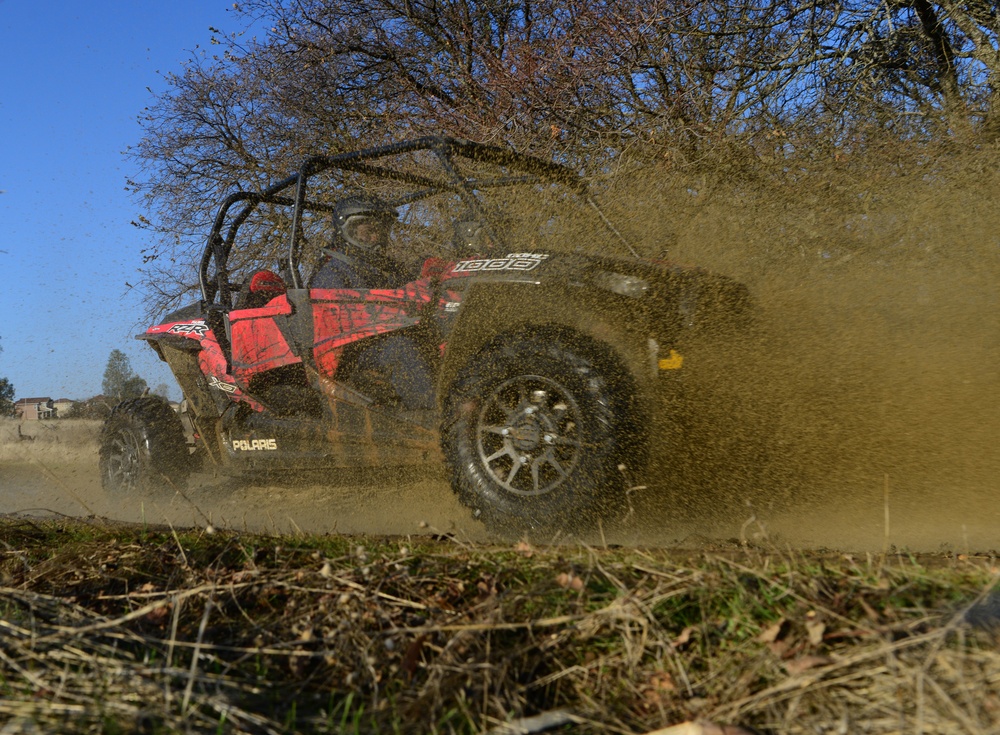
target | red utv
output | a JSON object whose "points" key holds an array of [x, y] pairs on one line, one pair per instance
{"points": [[548, 360]]}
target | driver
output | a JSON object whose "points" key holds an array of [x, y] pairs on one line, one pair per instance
{"points": [[357, 256]]}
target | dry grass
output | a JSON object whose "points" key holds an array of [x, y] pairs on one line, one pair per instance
{"points": [[63, 440], [129, 630]]}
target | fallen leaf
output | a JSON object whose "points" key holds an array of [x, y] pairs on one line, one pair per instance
{"points": [[159, 615], [771, 634], [486, 587], [411, 659], [537, 723], [815, 629], [684, 638], [701, 728], [778, 648], [685, 728], [570, 581]]}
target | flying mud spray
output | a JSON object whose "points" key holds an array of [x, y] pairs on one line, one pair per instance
{"points": [[863, 410]]}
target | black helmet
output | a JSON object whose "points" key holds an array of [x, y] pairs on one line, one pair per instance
{"points": [[364, 222]]}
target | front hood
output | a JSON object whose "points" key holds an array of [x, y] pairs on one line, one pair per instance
{"points": [[691, 290]]}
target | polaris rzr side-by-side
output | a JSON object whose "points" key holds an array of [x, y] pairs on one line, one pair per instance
{"points": [[502, 335]]}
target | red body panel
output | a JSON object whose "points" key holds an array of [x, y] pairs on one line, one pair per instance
{"points": [[340, 317], [343, 316], [258, 344]]}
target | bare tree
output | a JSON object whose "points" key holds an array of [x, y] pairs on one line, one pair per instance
{"points": [[708, 85], [918, 67]]}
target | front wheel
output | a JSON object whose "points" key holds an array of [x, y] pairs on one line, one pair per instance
{"points": [[535, 426], [142, 448]]}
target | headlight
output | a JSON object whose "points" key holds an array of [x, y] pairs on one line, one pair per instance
{"points": [[621, 284]]}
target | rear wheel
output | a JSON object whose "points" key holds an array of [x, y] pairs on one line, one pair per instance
{"points": [[534, 428], [142, 448]]}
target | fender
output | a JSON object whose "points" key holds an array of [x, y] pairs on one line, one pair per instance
{"points": [[195, 356], [480, 318]]}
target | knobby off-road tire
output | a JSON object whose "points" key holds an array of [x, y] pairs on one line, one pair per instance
{"points": [[142, 449], [534, 427]]}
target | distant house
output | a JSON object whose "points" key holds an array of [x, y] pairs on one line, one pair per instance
{"points": [[34, 409], [62, 407]]}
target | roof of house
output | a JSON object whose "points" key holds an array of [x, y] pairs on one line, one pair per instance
{"points": [[24, 401]]}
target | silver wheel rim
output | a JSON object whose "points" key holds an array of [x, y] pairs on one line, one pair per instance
{"points": [[122, 465], [528, 435]]}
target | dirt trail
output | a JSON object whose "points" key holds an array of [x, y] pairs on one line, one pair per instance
{"points": [[384, 503], [369, 503]]}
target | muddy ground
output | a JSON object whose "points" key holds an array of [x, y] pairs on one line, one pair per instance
{"points": [[419, 503], [356, 503]]}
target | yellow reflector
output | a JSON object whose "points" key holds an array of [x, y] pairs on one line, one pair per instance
{"points": [[674, 362]]}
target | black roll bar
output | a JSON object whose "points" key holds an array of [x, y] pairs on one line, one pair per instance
{"points": [[443, 147]]}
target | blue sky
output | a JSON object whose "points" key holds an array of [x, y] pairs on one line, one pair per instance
{"points": [[74, 81]]}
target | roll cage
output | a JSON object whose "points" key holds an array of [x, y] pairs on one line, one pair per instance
{"points": [[293, 192]]}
